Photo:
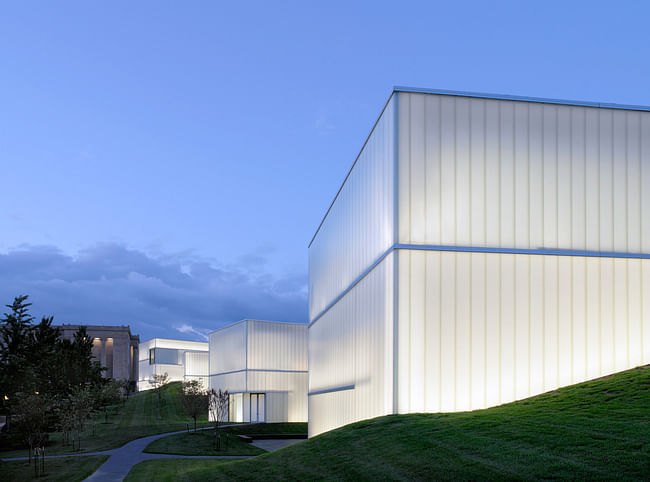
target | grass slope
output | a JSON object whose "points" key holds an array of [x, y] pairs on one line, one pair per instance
{"points": [[65, 469], [139, 417], [594, 430], [202, 441]]}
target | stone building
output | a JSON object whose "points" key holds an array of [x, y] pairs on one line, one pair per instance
{"points": [[114, 347]]}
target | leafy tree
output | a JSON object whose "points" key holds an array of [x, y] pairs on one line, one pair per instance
{"points": [[76, 367], [194, 399], [81, 404], [159, 381], [31, 419], [108, 394], [218, 403], [128, 386]]}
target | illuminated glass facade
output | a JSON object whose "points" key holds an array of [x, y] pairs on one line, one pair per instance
{"points": [[482, 249], [180, 359], [263, 365]]}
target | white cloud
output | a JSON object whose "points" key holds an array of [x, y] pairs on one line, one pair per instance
{"points": [[202, 333]]}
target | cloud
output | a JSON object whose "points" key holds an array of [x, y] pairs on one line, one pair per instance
{"points": [[201, 333], [161, 295]]}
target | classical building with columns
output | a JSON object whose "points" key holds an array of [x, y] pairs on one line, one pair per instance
{"points": [[114, 347]]}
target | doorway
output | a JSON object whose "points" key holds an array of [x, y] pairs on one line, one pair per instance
{"points": [[258, 407]]}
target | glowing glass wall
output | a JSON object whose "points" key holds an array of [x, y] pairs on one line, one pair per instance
{"points": [[518, 262], [359, 225], [262, 357], [180, 359]]}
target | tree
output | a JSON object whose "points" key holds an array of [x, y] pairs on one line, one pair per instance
{"points": [[81, 405], [34, 358], [31, 419], [14, 357], [159, 381], [194, 399], [108, 394], [42, 352], [74, 364], [128, 386], [218, 402]]}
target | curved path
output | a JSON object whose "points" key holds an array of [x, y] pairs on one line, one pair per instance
{"points": [[121, 460]]}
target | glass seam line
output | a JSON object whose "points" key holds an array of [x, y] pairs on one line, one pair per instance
{"points": [[479, 249], [256, 370], [331, 390]]}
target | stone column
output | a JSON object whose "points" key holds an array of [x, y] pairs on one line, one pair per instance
{"points": [[102, 353]]}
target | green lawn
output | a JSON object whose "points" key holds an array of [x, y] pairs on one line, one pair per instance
{"points": [[68, 469], [202, 441], [595, 430], [296, 428], [139, 417], [172, 470]]}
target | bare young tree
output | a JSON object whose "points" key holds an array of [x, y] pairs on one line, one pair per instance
{"points": [[194, 399], [219, 412]]}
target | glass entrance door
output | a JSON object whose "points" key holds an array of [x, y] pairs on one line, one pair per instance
{"points": [[258, 407]]}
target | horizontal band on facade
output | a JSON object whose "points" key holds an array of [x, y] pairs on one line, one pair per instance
{"points": [[353, 284], [331, 390], [538, 251], [480, 249], [257, 370]]}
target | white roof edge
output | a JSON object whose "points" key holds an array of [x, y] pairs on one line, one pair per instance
{"points": [[174, 339], [521, 98]]}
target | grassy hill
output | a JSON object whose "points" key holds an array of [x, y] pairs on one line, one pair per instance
{"points": [[594, 430], [140, 416]]}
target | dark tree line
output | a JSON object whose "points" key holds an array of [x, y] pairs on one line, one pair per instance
{"points": [[35, 360]]}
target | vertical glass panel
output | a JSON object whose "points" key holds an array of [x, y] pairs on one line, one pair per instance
{"points": [[253, 408], [261, 407]]}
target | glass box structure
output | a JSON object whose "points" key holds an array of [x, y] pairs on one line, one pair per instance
{"points": [[481, 250], [263, 365], [180, 359]]}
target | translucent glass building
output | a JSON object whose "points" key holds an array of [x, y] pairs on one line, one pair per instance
{"points": [[263, 365], [482, 249], [180, 359]]}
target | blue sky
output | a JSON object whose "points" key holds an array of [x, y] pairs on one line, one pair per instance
{"points": [[165, 164]]}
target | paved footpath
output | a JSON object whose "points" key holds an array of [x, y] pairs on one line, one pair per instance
{"points": [[122, 459]]}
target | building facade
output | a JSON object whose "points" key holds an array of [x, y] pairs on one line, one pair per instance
{"points": [[481, 250], [181, 360], [114, 347], [263, 365]]}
